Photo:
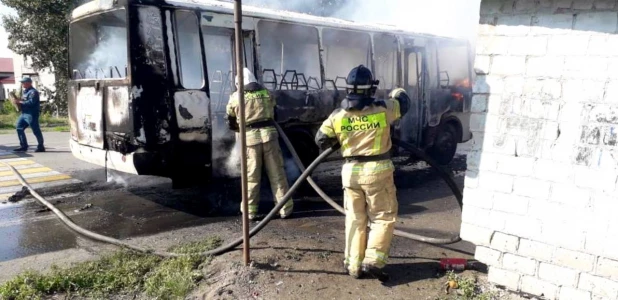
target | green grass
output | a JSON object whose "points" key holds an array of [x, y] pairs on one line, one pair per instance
{"points": [[468, 288], [8, 118], [122, 272]]}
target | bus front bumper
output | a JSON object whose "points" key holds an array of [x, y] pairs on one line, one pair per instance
{"points": [[113, 160]]}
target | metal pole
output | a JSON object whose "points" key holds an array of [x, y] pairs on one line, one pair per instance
{"points": [[242, 131]]}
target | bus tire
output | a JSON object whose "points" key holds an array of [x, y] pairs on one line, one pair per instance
{"points": [[444, 145]]}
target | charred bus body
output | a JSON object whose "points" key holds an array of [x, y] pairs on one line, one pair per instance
{"points": [[151, 80]]}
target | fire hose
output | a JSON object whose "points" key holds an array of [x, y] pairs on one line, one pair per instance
{"points": [[306, 172]]}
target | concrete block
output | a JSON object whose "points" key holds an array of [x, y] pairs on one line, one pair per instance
{"points": [[543, 89], [483, 161], [600, 180], [508, 65], [539, 251], [586, 68], [479, 103], [553, 171], [513, 86], [482, 63], [570, 293], [510, 203], [496, 182], [535, 46], [569, 235], [523, 226], [550, 24], [535, 286], [574, 259], [598, 22], [605, 4], [611, 92], [558, 275], [497, 220], [499, 144], [525, 6], [472, 179], [568, 45], [490, 7], [488, 84], [596, 241], [504, 278], [512, 165], [477, 122], [504, 242], [570, 195], [519, 263], [532, 188], [493, 45], [606, 268], [598, 285], [563, 3], [488, 256], [547, 66], [551, 131], [479, 236], [480, 198], [582, 4], [517, 25], [603, 45], [580, 91]]}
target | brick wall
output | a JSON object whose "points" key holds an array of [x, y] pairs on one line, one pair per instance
{"points": [[541, 200]]}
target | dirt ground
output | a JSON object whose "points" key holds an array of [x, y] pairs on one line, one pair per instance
{"points": [[297, 258]]}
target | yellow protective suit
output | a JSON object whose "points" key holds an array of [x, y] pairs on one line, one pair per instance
{"points": [[262, 146], [367, 178]]}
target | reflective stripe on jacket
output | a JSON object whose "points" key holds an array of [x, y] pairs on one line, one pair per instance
{"points": [[259, 106]]}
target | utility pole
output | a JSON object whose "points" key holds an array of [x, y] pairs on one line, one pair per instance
{"points": [[243, 130]]}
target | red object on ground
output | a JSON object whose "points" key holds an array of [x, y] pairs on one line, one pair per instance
{"points": [[454, 264]]}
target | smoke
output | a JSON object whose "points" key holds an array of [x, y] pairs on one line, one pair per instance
{"points": [[116, 178], [454, 18]]}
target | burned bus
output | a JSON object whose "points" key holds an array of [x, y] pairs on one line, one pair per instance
{"points": [[150, 80]]}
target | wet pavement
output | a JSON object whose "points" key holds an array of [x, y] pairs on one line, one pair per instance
{"points": [[129, 207]]}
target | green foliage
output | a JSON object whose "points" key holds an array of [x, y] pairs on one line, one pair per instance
{"points": [[39, 31], [7, 108], [121, 272], [468, 288]]}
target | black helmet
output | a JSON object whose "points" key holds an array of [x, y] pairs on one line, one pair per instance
{"points": [[360, 84]]}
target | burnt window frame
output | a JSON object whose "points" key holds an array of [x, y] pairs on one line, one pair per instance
{"points": [[258, 54], [204, 67], [70, 35], [397, 80], [323, 49]]}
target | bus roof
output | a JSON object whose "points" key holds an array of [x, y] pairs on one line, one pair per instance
{"points": [[265, 13]]}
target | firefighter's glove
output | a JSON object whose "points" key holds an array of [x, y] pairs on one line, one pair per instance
{"points": [[232, 124]]}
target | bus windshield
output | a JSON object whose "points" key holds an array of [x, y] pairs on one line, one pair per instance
{"points": [[98, 46]]}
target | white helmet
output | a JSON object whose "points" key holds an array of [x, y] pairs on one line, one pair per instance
{"points": [[248, 77]]}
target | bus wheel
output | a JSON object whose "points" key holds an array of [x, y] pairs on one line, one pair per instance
{"points": [[445, 145]]}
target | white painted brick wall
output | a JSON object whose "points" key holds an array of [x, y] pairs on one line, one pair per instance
{"points": [[535, 286], [558, 275], [505, 278], [541, 190]]}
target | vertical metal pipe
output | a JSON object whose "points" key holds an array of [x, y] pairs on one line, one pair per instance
{"points": [[242, 131]]}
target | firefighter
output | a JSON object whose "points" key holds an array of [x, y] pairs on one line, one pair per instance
{"points": [[361, 128], [262, 143]]}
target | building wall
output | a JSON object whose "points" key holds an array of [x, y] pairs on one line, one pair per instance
{"points": [[540, 200], [41, 78]]}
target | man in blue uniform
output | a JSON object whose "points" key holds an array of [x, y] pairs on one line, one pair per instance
{"points": [[30, 111]]}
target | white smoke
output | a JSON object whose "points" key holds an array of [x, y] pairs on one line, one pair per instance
{"points": [[113, 177], [109, 58], [453, 18]]}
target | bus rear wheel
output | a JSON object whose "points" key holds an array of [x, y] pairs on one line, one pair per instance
{"points": [[445, 144]]}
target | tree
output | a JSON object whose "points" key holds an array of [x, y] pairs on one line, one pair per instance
{"points": [[39, 31]]}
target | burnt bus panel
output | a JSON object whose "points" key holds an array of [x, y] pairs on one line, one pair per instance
{"points": [[192, 115], [89, 111], [310, 107], [117, 109], [73, 120]]}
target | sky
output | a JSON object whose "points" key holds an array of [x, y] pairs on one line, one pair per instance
{"points": [[4, 42]]}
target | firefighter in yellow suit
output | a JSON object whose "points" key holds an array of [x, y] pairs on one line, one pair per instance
{"points": [[361, 127], [262, 143]]}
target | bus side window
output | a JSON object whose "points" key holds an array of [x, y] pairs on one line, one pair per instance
{"points": [[343, 51], [219, 62], [386, 50], [190, 50], [288, 51], [453, 64]]}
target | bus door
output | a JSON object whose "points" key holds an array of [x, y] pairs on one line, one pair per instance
{"points": [[414, 68]]}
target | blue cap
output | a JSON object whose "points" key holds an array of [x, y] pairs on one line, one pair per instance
{"points": [[26, 79]]}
